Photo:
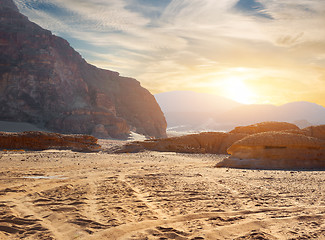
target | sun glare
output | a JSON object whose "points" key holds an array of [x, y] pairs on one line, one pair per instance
{"points": [[237, 90]]}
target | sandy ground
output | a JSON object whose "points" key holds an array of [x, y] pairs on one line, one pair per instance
{"points": [[151, 195]]}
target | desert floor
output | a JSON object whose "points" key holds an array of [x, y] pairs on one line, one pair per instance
{"points": [[153, 195]]}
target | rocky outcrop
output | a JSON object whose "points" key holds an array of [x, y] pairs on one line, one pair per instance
{"points": [[276, 150], [208, 142], [315, 131], [265, 127], [287, 148], [46, 82], [45, 140], [312, 131]]}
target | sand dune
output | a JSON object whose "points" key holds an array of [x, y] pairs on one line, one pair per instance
{"points": [[151, 195]]}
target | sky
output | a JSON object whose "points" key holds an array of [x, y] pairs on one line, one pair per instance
{"points": [[251, 51]]}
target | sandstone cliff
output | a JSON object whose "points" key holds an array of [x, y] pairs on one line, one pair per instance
{"points": [[46, 82]]}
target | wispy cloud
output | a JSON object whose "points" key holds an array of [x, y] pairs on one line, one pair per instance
{"points": [[178, 44]]}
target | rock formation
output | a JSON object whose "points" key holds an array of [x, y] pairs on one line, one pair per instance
{"points": [[44, 140], [46, 82], [315, 131], [254, 146], [265, 127], [207, 142], [276, 150], [312, 131]]}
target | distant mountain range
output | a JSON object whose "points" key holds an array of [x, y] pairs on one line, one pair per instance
{"points": [[191, 111], [187, 110]]}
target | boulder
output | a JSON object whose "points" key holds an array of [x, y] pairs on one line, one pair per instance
{"points": [[45, 140], [265, 127], [315, 131], [44, 81], [312, 131], [276, 150]]}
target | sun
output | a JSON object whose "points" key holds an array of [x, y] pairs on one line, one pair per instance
{"points": [[236, 89]]}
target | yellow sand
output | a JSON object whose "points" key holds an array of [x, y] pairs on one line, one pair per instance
{"points": [[66, 195]]}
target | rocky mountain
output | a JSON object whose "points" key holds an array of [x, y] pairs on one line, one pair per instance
{"points": [[44, 81], [188, 110]]}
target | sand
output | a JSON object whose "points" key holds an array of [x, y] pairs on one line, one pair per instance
{"points": [[152, 195]]}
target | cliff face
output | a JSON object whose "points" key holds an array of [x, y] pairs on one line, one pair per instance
{"points": [[45, 81]]}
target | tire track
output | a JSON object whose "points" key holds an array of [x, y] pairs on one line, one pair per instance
{"points": [[120, 232]]}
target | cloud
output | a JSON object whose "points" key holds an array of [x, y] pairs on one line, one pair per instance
{"points": [[288, 40], [98, 15], [185, 44]]}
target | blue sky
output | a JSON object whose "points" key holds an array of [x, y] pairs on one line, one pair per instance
{"points": [[265, 51]]}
